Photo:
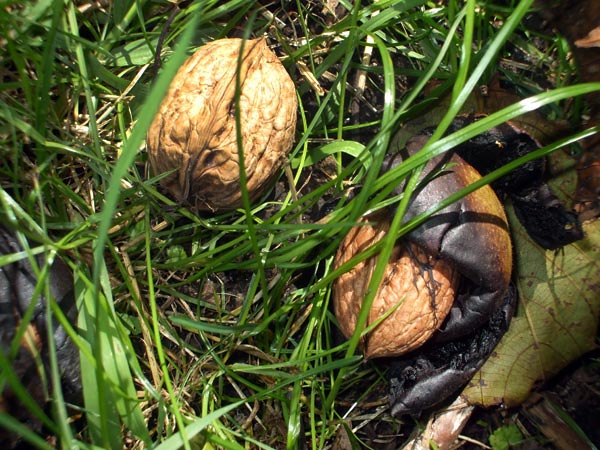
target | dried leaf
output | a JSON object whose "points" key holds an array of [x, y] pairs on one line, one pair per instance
{"points": [[591, 40]]}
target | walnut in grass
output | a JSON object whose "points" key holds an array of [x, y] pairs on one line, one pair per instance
{"points": [[419, 286], [465, 245], [194, 131]]}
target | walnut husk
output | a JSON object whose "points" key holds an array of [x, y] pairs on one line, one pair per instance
{"points": [[194, 131], [423, 286]]}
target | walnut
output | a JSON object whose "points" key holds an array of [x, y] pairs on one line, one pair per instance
{"points": [[467, 243], [423, 286], [194, 131]]}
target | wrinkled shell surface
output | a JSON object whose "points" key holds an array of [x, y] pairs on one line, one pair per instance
{"points": [[423, 285], [195, 131]]}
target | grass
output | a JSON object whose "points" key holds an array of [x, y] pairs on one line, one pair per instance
{"points": [[214, 331]]}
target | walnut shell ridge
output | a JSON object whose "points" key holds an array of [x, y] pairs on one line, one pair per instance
{"points": [[422, 285], [194, 131]]}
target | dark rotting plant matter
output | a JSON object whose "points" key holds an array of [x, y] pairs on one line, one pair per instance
{"points": [[18, 284], [437, 370], [546, 219], [453, 355], [472, 234]]}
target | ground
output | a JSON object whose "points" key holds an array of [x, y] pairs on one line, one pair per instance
{"points": [[220, 324]]}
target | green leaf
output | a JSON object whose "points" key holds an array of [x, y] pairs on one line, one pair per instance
{"points": [[315, 155], [109, 392], [557, 318], [505, 437], [133, 53]]}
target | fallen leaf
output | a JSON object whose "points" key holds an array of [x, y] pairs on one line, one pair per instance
{"points": [[495, 97], [557, 319]]}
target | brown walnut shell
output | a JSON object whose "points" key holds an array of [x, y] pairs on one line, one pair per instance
{"points": [[422, 285], [194, 131], [468, 240]]}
